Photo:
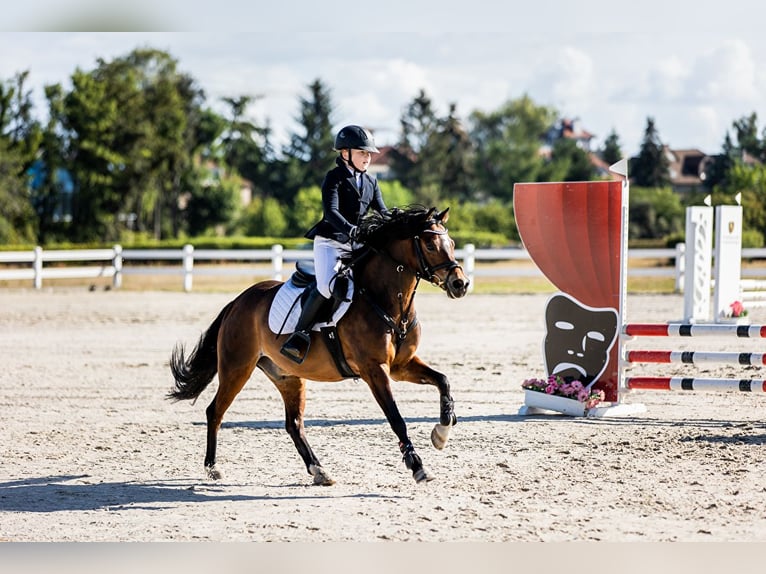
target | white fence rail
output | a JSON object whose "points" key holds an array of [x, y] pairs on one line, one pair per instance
{"points": [[116, 263], [36, 271]]}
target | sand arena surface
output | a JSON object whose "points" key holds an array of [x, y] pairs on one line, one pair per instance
{"points": [[92, 451]]}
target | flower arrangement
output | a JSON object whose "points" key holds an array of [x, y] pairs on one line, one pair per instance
{"points": [[575, 390], [737, 309]]}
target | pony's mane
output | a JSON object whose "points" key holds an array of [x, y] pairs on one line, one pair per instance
{"points": [[376, 229]]}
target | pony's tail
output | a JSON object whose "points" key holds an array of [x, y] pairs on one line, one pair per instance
{"points": [[193, 374]]}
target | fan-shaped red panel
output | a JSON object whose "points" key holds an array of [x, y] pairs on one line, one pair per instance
{"points": [[572, 232]]}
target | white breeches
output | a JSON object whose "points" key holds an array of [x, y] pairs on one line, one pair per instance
{"points": [[327, 254]]}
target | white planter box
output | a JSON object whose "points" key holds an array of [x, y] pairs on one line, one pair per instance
{"points": [[546, 402]]}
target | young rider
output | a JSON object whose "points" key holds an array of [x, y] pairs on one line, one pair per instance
{"points": [[348, 193]]}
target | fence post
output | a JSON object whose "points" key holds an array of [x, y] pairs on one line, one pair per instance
{"points": [[680, 266], [117, 264], [469, 264], [188, 266], [276, 261], [37, 266]]}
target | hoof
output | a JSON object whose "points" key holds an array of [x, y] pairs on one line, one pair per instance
{"points": [[213, 473], [321, 478], [439, 435], [421, 475]]}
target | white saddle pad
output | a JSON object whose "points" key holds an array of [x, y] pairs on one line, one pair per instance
{"points": [[287, 305]]}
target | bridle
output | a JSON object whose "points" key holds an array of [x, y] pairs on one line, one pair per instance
{"points": [[428, 272]]}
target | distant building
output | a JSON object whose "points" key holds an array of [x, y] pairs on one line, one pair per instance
{"points": [[380, 167], [567, 128], [64, 189], [601, 167], [687, 169]]}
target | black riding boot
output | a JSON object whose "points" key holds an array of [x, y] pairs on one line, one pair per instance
{"points": [[297, 345]]}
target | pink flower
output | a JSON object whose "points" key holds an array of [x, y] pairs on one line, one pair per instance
{"points": [[555, 385], [737, 309]]}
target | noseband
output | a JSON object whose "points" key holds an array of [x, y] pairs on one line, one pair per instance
{"points": [[427, 271]]}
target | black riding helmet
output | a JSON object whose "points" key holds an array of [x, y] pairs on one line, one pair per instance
{"points": [[355, 137]]}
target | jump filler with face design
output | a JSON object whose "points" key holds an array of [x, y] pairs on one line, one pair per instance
{"points": [[573, 231], [578, 339]]}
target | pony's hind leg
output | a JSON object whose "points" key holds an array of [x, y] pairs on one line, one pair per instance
{"points": [[293, 391], [230, 382]]}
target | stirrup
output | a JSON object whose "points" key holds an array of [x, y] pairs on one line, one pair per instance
{"points": [[297, 346]]}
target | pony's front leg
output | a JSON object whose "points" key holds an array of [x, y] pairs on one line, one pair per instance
{"points": [[447, 419], [380, 384], [416, 371], [414, 463]]}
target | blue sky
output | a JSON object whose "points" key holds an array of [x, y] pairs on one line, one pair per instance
{"points": [[695, 67]]}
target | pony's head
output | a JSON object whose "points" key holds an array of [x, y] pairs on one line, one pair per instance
{"points": [[416, 238]]}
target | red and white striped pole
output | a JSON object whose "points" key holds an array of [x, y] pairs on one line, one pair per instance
{"points": [[694, 330], [696, 357], [695, 384]]}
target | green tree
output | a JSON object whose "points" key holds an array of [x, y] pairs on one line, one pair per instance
{"points": [[750, 181], [90, 117], [307, 209], [244, 144], [651, 167], [131, 125], [395, 194], [655, 213], [474, 220], [417, 124], [716, 174], [20, 136], [748, 141], [52, 187], [310, 152], [264, 217], [18, 127], [507, 143], [446, 160], [568, 162], [434, 155], [212, 202], [16, 215], [611, 152]]}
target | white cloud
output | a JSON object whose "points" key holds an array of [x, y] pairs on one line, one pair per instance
{"points": [[710, 128], [726, 74], [666, 82], [563, 77], [692, 79], [377, 93], [574, 81]]}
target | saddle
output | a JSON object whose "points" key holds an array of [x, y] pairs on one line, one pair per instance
{"points": [[287, 305], [304, 278]]}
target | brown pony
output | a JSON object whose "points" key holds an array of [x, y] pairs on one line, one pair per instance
{"points": [[378, 335]]}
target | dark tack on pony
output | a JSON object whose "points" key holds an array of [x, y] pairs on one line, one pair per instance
{"points": [[375, 340]]}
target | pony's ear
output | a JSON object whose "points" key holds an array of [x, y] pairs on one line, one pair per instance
{"points": [[443, 216], [430, 213]]}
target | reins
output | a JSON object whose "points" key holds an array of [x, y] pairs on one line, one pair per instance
{"points": [[404, 325]]}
